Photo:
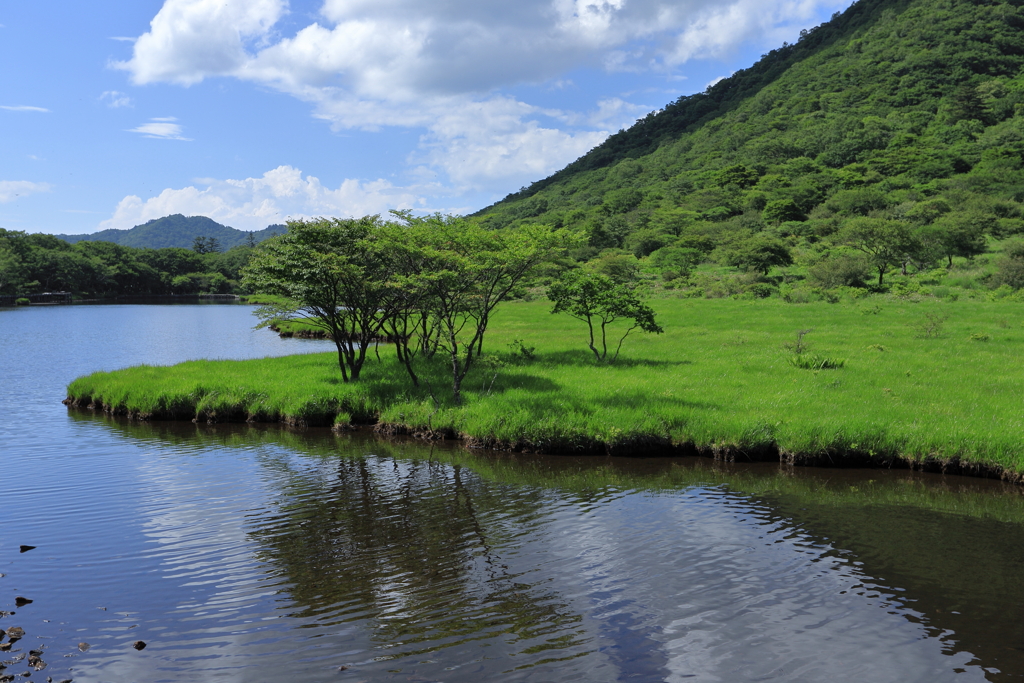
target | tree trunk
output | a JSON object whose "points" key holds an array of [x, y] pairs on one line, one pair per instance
{"points": [[590, 326]]}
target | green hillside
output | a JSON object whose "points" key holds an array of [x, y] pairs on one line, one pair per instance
{"points": [[176, 231], [896, 120]]}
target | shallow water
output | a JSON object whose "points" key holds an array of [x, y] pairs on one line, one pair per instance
{"points": [[257, 553]]}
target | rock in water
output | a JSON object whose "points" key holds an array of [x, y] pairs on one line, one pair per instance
{"points": [[21, 602], [26, 548], [139, 645], [82, 647], [15, 633]]}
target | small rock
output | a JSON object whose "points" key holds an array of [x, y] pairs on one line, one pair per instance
{"points": [[6, 679], [2, 633], [15, 633], [5, 647], [83, 646], [36, 663], [139, 645], [21, 602], [26, 548], [35, 653]]}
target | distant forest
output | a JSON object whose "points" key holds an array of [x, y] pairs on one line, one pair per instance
{"points": [[173, 255], [36, 263]]}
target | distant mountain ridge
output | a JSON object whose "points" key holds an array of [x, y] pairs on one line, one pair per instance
{"points": [[177, 231]]}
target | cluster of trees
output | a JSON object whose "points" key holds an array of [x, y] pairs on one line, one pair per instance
{"points": [[31, 263], [429, 285], [891, 137]]}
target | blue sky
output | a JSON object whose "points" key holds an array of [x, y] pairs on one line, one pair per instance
{"points": [[255, 111]]}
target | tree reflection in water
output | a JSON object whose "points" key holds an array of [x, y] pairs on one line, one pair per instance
{"points": [[419, 548]]}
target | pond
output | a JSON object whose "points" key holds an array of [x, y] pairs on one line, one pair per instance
{"points": [[258, 553]]}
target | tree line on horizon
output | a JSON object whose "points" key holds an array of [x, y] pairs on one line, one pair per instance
{"points": [[33, 263]]}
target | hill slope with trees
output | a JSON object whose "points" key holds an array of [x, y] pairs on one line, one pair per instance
{"points": [[886, 144], [178, 231]]}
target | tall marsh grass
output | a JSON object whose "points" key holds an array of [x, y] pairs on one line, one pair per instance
{"points": [[720, 377]]}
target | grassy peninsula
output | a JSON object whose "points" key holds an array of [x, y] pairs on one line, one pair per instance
{"points": [[719, 381]]}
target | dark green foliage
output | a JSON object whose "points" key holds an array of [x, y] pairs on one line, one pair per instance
{"points": [[205, 245], [40, 263], [844, 270], [1011, 266], [600, 301], [885, 243], [760, 253]]}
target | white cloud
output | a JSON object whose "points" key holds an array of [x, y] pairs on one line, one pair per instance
{"points": [[279, 194], [440, 66], [24, 108], [13, 189], [115, 99], [161, 128]]}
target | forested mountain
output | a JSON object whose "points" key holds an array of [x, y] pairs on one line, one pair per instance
{"points": [[177, 231], [897, 117]]}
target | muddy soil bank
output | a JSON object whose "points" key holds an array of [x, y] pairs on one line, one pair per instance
{"points": [[640, 446]]}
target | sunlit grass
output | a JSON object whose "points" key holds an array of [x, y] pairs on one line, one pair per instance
{"points": [[720, 377]]}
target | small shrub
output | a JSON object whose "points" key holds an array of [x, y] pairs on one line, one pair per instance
{"points": [[930, 325], [872, 310], [520, 351], [21, 301], [799, 347], [841, 271], [876, 347], [978, 337], [817, 362]]}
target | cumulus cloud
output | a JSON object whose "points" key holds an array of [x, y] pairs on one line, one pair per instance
{"points": [[115, 99], [24, 108], [277, 195], [441, 66], [13, 189], [161, 128]]}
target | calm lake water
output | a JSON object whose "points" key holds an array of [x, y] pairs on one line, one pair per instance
{"points": [[243, 553]]}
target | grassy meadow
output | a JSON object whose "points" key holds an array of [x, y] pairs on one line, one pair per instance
{"points": [[929, 379]]}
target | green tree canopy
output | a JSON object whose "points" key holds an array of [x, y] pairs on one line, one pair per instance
{"points": [[600, 301]]}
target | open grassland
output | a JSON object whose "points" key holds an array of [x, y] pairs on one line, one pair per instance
{"points": [[720, 380]]}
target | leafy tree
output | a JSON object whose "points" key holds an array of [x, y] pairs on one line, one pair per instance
{"points": [[957, 234], [205, 245], [967, 104], [677, 261], [844, 270], [598, 300], [760, 253], [462, 271], [886, 243], [621, 268], [782, 210], [1011, 266], [335, 275]]}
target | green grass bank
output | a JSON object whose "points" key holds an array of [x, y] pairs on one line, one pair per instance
{"points": [[719, 382]]}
